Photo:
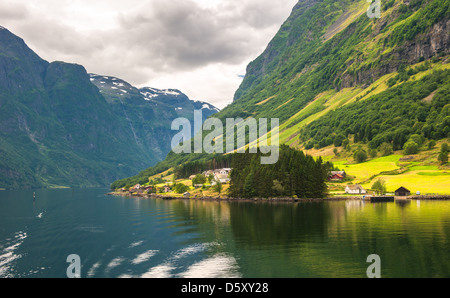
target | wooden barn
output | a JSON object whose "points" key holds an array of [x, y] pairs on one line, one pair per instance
{"points": [[402, 192]]}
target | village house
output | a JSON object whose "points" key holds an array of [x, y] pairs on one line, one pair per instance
{"points": [[225, 171], [355, 189], [221, 175], [402, 192], [148, 189], [222, 178], [135, 188], [167, 188], [337, 176]]}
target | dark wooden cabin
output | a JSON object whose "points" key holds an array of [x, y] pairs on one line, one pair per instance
{"points": [[402, 192]]}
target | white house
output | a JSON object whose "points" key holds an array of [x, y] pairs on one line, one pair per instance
{"points": [[355, 189], [220, 177], [225, 171]]}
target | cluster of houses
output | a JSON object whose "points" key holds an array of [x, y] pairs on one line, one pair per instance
{"points": [[222, 175], [138, 189]]}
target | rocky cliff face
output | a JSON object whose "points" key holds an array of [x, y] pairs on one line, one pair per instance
{"points": [[434, 42], [21, 68]]}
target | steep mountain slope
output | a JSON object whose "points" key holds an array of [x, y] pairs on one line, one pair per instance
{"points": [[330, 67], [309, 56], [57, 129]]}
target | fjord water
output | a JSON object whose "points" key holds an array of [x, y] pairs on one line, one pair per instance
{"points": [[129, 237]]}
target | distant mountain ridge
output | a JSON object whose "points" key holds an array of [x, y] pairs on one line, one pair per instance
{"points": [[116, 89], [60, 126]]}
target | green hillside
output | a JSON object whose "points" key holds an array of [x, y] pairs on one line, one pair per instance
{"points": [[338, 79]]}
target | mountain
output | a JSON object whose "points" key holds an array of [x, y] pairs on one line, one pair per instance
{"points": [[329, 57], [334, 45], [334, 76], [57, 128], [149, 112]]}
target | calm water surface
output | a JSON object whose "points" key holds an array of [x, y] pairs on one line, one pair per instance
{"points": [[122, 237]]}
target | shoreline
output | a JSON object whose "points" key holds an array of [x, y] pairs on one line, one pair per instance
{"points": [[278, 199]]}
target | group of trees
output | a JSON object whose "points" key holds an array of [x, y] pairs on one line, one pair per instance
{"points": [[180, 188], [295, 174], [412, 146], [391, 117], [443, 155], [360, 155], [379, 187], [199, 179]]}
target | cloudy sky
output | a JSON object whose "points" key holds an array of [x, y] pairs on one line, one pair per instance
{"points": [[198, 46]]}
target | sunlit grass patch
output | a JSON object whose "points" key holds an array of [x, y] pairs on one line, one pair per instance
{"points": [[363, 171], [433, 182]]}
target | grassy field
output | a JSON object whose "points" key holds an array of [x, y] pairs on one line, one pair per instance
{"points": [[422, 173], [364, 171], [427, 182]]}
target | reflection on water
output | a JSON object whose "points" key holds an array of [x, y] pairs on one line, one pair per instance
{"points": [[8, 254], [123, 237], [218, 266]]}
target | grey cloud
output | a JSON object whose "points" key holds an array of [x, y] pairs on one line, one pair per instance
{"points": [[151, 39], [12, 11], [180, 34]]}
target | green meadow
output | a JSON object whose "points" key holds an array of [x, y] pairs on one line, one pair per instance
{"points": [[420, 174]]}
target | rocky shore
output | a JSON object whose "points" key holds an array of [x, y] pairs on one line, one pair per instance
{"points": [[280, 199], [225, 198], [430, 197]]}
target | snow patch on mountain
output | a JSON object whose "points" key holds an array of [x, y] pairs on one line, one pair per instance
{"points": [[207, 106], [118, 84], [171, 92], [154, 95], [148, 95]]}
